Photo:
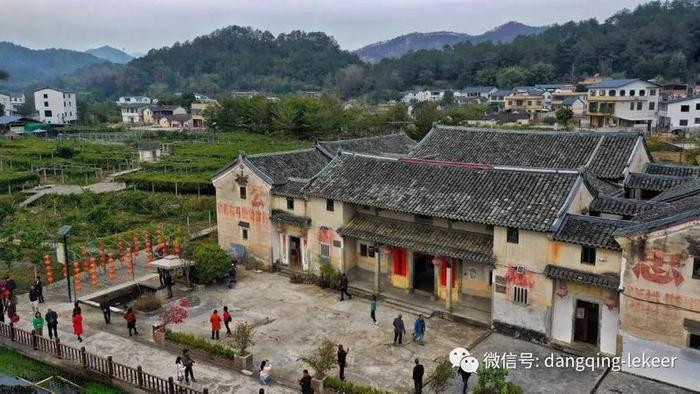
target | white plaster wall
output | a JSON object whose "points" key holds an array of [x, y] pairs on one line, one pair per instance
{"points": [[686, 368], [673, 112], [524, 316], [608, 329], [562, 318]]}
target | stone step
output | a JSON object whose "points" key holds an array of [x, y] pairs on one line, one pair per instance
{"points": [[408, 308]]}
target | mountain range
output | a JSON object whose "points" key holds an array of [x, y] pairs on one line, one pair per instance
{"points": [[399, 46], [110, 54]]}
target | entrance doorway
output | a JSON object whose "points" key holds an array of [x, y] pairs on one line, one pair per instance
{"points": [[586, 322], [423, 272], [295, 252]]}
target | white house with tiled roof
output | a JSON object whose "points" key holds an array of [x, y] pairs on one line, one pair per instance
{"points": [[54, 106], [623, 104], [680, 114]]}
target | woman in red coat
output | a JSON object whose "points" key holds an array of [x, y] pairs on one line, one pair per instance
{"points": [[78, 325], [215, 320]]}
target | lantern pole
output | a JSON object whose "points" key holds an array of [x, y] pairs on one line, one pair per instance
{"points": [[63, 232]]}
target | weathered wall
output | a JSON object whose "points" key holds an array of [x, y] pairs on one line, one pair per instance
{"points": [[475, 279], [569, 255], [331, 221], [581, 200], [255, 210]]}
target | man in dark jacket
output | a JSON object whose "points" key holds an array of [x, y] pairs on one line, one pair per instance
{"points": [[344, 288], [342, 356], [305, 383], [168, 282], [399, 330], [39, 288], [10, 284], [465, 379], [106, 312], [188, 363], [418, 377], [52, 323]]}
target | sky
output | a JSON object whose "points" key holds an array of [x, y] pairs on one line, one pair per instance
{"points": [[139, 25]]}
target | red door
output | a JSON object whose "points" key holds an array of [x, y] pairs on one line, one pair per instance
{"points": [[400, 257]]}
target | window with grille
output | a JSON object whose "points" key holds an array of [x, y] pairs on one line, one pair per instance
{"points": [[243, 192], [520, 295], [512, 235], [588, 255], [325, 251], [290, 203]]}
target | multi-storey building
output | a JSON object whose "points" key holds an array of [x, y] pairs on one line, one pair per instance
{"points": [[681, 114], [623, 103], [527, 99], [54, 106]]}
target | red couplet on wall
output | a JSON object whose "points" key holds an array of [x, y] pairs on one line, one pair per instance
{"points": [[400, 257], [443, 271]]}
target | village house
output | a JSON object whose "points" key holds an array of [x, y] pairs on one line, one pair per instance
{"points": [[132, 113], [197, 112], [484, 92], [11, 103], [153, 113], [622, 104], [136, 100], [680, 114], [499, 97], [655, 179], [56, 107], [181, 121], [527, 99]]}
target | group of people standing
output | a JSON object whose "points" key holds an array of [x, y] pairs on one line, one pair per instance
{"points": [[215, 319]]}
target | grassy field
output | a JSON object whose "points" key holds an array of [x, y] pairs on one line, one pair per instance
{"points": [[15, 364]]}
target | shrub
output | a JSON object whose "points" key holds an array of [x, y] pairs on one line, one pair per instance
{"points": [[174, 314], [441, 375], [493, 380], [350, 388], [195, 342], [322, 359], [330, 277], [210, 262], [242, 337], [549, 120], [148, 303]]}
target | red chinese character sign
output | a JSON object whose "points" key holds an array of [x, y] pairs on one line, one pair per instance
{"points": [[659, 266]]}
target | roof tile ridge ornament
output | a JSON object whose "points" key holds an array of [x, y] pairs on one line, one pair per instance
{"points": [[475, 166]]}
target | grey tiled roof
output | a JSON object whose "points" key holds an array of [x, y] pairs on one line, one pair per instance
{"points": [[687, 189], [622, 206], [295, 164], [604, 187], [605, 154], [478, 89], [672, 169], [605, 281], [524, 199], [433, 240], [676, 212], [589, 231], [612, 83], [653, 182], [392, 144], [282, 217], [292, 188]]}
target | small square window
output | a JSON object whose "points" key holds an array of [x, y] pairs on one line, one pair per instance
{"points": [[639, 106], [685, 108], [697, 120], [652, 105], [697, 106], [588, 255], [696, 267], [46, 95], [330, 205], [46, 103], [48, 114], [631, 106], [325, 251], [243, 192], [622, 92], [244, 232], [683, 122], [520, 295], [363, 250], [290, 203], [512, 236], [652, 92]]}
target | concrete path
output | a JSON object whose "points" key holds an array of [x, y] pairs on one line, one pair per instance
{"points": [[100, 187]]}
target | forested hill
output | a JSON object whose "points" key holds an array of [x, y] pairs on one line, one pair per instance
{"points": [[24, 65], [654, 39], [232, 58]]}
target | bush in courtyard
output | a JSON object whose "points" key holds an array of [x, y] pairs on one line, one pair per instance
{"points": [[441, 375], [242, 337], [174, 314], [330, 277], [210, 262], [322, 359], [194, 342], [346, 387], [493, 380], [65, 151], [148, 303]]}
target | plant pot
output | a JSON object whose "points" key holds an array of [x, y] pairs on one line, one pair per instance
{"points": [[317, 384], [241, 363]]}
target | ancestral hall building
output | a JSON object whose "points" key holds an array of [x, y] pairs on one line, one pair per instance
{"points": [[528, 232]]}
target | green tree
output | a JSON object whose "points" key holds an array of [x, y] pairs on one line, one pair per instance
{"points": [[210, 262], [322, 359], [564, 115], [448, 98], [425, 115], [350, 80], [510, 77]]}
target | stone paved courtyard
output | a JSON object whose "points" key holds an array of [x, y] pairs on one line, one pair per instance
{"points": [[292, 319]]}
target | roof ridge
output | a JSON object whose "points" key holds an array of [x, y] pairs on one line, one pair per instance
{"points": [[363, 138], [598, 219], [264, 154], [538, 131]]}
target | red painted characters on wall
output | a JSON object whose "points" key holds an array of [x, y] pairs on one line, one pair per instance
{"points": [[520, 278], [659, 266]]}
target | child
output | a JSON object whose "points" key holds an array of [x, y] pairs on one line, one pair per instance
{"points": [[180, 372], [265, 368]]}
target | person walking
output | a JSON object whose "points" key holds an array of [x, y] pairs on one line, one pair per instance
{"points": [[106, 311], [78, 323], [373, 309], [265, 368], [10, 284], [215, 320], [227, 319], [305, 383], [38, 324], [188, 363], [76, 309], [399, 330], [419, 330], [52, 323], [39, 288], [168, 282], [344, 288], [418, 371], [161, 277], [34, 298], [342, 357], [130, 317], [179, 369], [465, 379], [12, 306]]}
